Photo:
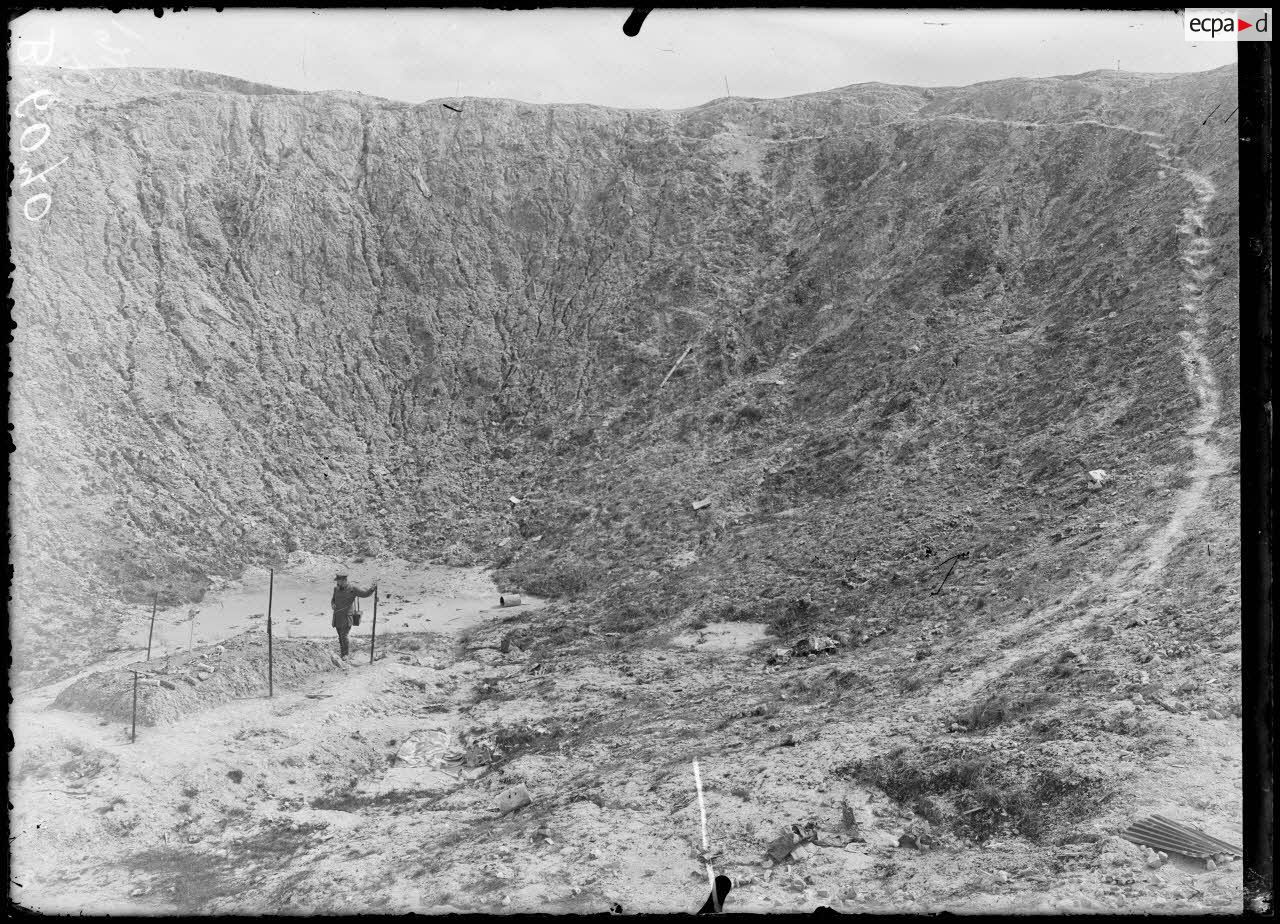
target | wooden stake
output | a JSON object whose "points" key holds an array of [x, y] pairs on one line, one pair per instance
{"points": [[271, 589], [373, 630], [151, 631], [133, 733], [947, 575]]}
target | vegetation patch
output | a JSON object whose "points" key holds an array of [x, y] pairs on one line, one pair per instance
{"points": [[1004, 707], [979, 797], [349, 801], [512, 741], [551, 576]]}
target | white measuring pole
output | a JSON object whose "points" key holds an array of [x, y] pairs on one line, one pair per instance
{"points": [[702, 810]]}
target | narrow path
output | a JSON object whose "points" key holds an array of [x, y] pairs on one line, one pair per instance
{"points": [[1136, 573]]}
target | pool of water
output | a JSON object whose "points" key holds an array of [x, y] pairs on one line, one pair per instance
{"points": [[411, 598]]}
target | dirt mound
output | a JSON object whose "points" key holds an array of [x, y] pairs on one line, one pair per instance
{"points": [[176, 686]]}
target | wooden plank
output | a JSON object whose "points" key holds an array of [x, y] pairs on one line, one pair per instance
{"points": [[677, 365]]}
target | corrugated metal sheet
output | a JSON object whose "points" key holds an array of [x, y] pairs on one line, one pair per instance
{"points": [[1172, 836]]}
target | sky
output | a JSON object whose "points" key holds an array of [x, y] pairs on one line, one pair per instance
{"points": [[680, 58]]}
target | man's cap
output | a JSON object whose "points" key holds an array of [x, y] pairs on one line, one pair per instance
{"points": [[339, 577]]}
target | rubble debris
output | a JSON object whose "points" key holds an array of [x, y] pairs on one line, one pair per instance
{"points": [[431, 747], [785, 845], [701, 504], [813, 644]]}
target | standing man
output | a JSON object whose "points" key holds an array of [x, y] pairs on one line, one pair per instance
{"points": [[344, 595]]}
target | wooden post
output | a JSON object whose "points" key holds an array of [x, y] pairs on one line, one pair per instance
{"points": [[373, 630], [947, 575], [271, 589], [133, 733], [151, 631]]}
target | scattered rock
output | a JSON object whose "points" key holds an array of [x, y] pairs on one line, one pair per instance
{"points": [[780, 848], [1210, 865], [511, 799], [235, 776], [916, 840]]}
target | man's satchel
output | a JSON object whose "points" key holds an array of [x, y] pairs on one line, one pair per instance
{"points": [[355, 611]]}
